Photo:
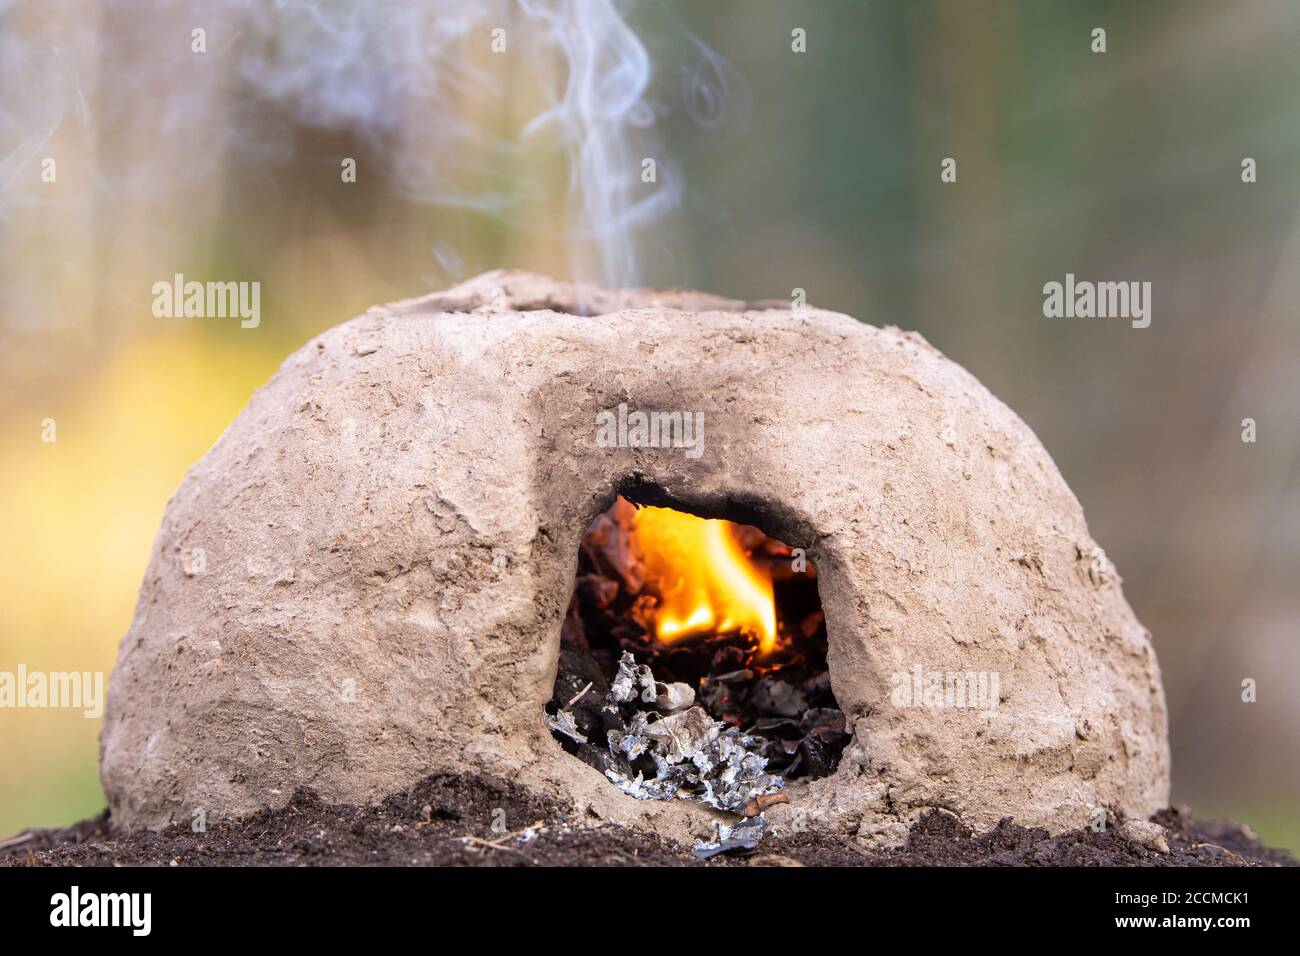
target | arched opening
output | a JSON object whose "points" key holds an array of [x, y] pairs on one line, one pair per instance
{"points": [[693, 660]]}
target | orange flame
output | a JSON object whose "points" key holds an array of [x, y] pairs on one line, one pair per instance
{"points": [[707, 582]]}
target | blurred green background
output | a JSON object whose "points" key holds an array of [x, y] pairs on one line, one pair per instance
{"points": [[817, 170]]}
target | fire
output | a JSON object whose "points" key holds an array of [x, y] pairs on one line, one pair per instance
{"points": [[706, 580]]}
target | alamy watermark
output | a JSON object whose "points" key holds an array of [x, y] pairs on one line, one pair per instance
{"points": [[61, 690], [619, 428], [960, 690], [74, 908], [208, 300], [1100, 300]]}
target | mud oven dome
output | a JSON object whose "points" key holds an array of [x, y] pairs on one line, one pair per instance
{"points": [[365, 580]]}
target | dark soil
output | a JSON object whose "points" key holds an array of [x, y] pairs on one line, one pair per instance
{"points": [[470, 821]]}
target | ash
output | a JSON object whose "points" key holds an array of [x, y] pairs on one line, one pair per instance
{"points": [[740, 838], [660, 745]]}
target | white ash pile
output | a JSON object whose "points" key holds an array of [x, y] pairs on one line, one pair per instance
{"points": [[660, 745]]}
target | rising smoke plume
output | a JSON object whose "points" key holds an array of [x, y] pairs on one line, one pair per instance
{"points": [[396, 73]]}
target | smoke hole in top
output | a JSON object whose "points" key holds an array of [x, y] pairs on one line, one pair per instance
{"points": [[726, 619]]}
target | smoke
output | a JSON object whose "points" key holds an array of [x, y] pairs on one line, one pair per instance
{"points": [[489, 105], [38, 90]]}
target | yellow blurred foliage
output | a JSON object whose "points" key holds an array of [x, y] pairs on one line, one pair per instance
{"points": [[79, 515]]}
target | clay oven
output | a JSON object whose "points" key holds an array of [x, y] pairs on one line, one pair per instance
{"points": [[365, 579]]}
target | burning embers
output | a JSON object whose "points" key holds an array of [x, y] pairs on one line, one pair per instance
{"points": [[705, 582], [693, 661]]}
